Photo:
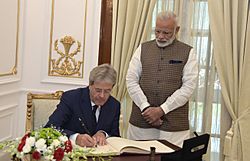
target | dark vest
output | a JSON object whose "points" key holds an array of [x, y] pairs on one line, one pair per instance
{"points": [[162, 71]]}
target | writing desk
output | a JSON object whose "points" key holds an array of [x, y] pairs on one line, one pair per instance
{"points": [[134, 157]]}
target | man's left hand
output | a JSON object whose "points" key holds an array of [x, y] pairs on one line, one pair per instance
{"points": [[152, 114], [100, 138]]}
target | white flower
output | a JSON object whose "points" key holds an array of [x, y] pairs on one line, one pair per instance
{"points": [[49, 157], [20, 155], [30, 141], [26, 148], [40, 145], [63, 138], [55, 143], [51, 147]]}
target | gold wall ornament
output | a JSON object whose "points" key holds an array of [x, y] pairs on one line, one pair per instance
{"points": [[66, 64], [14, 70]]}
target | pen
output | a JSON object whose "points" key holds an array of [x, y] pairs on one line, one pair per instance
{"points": [[84, 126], [86, 129]]}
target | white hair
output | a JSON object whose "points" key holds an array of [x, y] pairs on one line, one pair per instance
{"points": [[167, 15]]}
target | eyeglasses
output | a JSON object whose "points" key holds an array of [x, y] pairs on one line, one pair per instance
{"points": [[164, 32], [104, 91]]}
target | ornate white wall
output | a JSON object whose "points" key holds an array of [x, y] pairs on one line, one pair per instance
{"points": [[37, 30]]}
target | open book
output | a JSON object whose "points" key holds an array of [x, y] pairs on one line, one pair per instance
{"points": [[117, 146]]}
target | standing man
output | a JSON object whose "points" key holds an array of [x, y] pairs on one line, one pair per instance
{"points": [[161, 78], [88, 115]]}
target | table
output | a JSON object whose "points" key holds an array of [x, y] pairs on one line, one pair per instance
{"points": [[136, 157], [132, 158]]}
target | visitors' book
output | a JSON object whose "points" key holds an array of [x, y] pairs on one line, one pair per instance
{"points": [[118, 146]]}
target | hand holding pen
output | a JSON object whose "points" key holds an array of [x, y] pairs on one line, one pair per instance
{"points": [[85, 139], [84, 126]]}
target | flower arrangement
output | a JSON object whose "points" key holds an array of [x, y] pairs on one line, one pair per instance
{"points": [[44, 144]]}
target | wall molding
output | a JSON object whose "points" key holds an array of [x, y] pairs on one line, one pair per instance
{"points": [[68, 81], [7, 107], [36, 90], [9, 92], [8, 111], [8, 79], [13, 70]]}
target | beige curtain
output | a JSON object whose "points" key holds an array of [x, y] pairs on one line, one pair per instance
{"points": [[131, 22], [230, 25], [204, 104]]}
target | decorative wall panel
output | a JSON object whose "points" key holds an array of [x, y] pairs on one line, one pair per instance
{"points": [[67, 38], [7, 121], [9, 17]]}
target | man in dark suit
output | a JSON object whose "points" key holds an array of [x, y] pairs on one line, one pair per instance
{"points": [[88, 115]]}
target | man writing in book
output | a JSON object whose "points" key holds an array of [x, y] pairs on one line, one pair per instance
{"points": [[88, 115], [161, 78]]}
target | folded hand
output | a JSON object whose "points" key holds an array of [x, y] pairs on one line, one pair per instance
{"points": [[152, 114], [157, 123]]}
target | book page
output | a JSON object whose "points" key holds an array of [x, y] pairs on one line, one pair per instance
{"points": [[132, 146], [105, 150], [117, 146]]}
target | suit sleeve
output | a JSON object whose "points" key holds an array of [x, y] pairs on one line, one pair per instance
{"points": [[115, 126], [61, 115]]}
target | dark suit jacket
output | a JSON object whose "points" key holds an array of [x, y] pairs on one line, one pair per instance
{"points": [[75, 104]]}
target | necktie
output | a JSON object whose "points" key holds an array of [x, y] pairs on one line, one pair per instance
{"points": [[94, 123], [94, 111]]}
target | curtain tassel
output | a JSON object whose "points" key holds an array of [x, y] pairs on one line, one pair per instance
{"points": [[228, 141]]}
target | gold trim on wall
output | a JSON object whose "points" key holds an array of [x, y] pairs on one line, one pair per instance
{"points": [[14, 68], [51, 71], [66, 64]]}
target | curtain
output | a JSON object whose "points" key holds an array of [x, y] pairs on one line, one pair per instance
{"points": [[131, 22], [205, 103], [230, 33]]}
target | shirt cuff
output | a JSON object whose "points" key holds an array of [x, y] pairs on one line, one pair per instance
{"points": [[106, 134], [165, 108], [72, 138], [144, 105]]}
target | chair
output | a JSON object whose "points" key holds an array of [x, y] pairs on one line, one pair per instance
{"points": [[39, 108], [192, 150]]}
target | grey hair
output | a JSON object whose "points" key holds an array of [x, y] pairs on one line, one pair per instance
{"points": [[167, 15], [103, 72]]}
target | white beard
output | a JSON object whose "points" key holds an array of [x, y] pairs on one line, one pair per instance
{"points": [[166, 43]]}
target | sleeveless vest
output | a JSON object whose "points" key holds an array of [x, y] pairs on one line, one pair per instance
{"points": [[162, 72]]}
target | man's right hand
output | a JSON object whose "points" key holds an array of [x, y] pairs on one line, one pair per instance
{"points": [[85, 140], [157, 123], [153, 114]]}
